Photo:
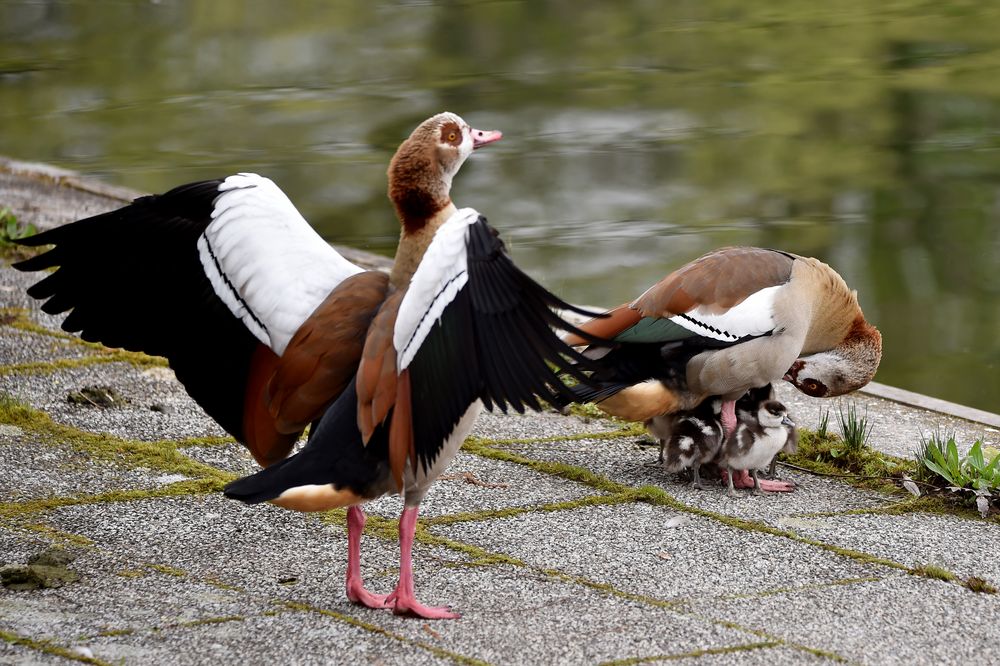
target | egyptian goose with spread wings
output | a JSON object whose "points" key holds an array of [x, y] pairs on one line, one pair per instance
{"points": [[735, 319], [271, 330]]}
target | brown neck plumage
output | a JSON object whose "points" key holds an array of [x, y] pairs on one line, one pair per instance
{"points": [[421, 196], [413, 244], [417, 186]]}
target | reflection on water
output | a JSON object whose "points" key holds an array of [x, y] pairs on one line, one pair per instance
{"points": [[637, 135]]}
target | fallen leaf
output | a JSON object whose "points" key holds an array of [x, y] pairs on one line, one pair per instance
{"points": [[430, 631], [676, 521], [983, 504], [911, 486], [664, 555], [472, 479]]}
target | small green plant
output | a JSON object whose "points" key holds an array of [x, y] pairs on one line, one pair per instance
{"points": [[854, 429], [11, 229], [824, 421], [970, 473], [941, 457]]}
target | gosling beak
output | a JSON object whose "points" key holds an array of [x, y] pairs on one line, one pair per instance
{"points": [[787, 421], [482, 137]]}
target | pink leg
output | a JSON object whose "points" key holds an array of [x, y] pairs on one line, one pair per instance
{"points": [[729, 417], [741, 479], [402, 599], [356, 591]]}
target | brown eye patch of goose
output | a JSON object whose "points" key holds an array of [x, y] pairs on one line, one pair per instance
{"points": [[451, 133]]}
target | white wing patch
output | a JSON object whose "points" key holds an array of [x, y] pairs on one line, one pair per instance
{"points": [[753, 316], [264, 260], [442, 272]]}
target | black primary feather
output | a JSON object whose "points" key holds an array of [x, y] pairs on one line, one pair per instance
{"points": [[132, 278]]}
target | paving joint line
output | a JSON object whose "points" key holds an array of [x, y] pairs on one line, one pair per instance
{"points": [[729, 649], [165, 569], [659, 497], [48, 647]]}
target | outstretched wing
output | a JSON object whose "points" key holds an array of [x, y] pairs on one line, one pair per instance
{"points": [[264, 260], [215, 276], [470, 326]]}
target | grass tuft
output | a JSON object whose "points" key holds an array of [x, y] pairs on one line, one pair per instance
{"points": [[935, 572], [824, 422], [855, 429], [977, 584]]}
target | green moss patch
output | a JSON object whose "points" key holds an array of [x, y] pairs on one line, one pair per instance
{"points": [[375, 629], [693, 654], [48, 647], [863, 467], [35, 576], [11, 510], [161, 456]]}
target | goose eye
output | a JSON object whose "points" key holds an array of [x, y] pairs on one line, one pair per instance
{"points": [[452, 136]]}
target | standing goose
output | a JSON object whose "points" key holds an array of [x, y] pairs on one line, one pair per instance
{"points": [[747, 408], [734, 319], [755, 442], [689, 439], [270, 330]]}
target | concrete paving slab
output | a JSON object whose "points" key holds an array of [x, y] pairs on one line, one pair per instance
{"points": [[515, 616], [473, 483], [964, 547], [765, 656], [899, 620], [117, 603], [233, 458], [18, 655], [631, 547], [33, 470], [17, 347], [18, 544], [287, 638], [897, 429], [626, 461], [209, 536], [142, 388]]}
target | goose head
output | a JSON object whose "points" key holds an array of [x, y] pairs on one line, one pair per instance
{"points": [[421, 171], [773, 414], [845, 368]]}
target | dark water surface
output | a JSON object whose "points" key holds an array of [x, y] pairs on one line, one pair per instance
{"points": [[638, 135]]}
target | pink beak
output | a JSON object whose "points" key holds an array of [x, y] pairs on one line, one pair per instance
{"points": [[482, 137]]}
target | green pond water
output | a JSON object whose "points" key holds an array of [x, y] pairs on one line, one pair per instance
{"points": [[638, 135]]}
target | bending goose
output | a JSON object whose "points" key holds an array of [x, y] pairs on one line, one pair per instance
{"points": [[270, 330], [734, 319]]}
